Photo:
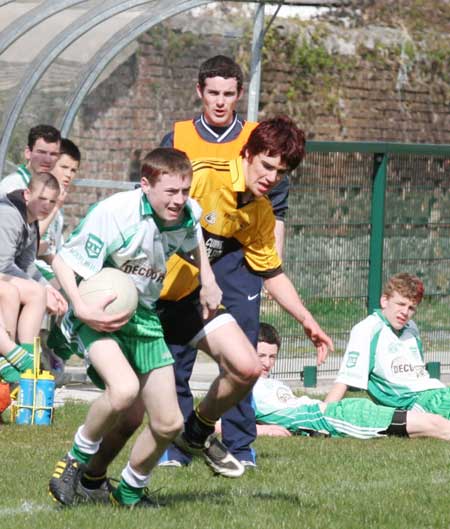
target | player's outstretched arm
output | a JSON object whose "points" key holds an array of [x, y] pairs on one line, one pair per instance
{"points": [[272, 430], [337, 392], [283, 292]]}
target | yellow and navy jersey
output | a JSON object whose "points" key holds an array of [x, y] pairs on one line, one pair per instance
{"points": [[227, 224]]}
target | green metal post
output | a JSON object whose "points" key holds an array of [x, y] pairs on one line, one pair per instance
{"points": [[310, 376], [434, 369], [377, 230]]}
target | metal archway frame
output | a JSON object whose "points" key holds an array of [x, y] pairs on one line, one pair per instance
{"points": [[160, 10], [58, 44], [106, 54], [32, 18]]}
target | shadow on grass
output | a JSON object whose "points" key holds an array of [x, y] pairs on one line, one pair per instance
{"points": [[222, 497]]}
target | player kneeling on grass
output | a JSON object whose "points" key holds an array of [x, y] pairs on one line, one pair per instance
{"points": [[280, 413], [135, 231]]}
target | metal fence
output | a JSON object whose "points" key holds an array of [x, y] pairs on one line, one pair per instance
{"points": [[358, 213]]}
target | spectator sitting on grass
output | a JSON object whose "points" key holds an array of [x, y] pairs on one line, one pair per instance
{"points": [[280, 413], [384, 354]]}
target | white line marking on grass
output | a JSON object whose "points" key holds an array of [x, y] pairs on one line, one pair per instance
{"points": [[26, 508]]}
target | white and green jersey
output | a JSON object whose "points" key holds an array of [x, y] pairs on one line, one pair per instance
{"points": [[17, 180], [388, 364], [54, 238], [274, 403], [123, 232]]}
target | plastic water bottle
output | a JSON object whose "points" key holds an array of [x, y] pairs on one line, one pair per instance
{"points": [[45, 394], [26, 390]]}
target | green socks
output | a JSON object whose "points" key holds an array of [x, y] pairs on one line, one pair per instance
{"points": [[80, 456], [17, 361], [20, 358], [8, 372], [126, 494]]}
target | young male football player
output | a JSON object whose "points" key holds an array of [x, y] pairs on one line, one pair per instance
{"points": [[384, 354], [236, 213], [135, 231], [65, 170], [280, 413], [220, 132]]}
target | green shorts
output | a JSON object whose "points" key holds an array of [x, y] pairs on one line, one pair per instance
{"points": [[359, 418], [435, 401], [141, 340]]}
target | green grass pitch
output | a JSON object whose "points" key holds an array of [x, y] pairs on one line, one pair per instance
{"points": [[303, 483]]}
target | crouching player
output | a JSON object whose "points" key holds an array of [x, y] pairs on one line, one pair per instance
{"points": [[135, 231]]}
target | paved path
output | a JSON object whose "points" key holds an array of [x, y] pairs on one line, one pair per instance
{"points": [[78, 386]]}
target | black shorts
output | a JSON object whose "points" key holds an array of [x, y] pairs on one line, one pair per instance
{"points": [[398, 424], [182, 321]]}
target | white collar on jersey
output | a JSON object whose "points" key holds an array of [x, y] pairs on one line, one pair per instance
{"points": [[222, 136]]}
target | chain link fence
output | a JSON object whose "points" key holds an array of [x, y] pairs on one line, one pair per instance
{"points": [[358, 213]]}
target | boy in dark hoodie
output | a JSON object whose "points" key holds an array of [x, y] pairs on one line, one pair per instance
{"points": [[20, 212]]}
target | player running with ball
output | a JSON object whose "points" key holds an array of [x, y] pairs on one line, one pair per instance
{"points": [[236, 214], [127, 355]]}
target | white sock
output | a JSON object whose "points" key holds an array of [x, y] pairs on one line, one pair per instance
{"points": [[134, 479], [86, 445]]}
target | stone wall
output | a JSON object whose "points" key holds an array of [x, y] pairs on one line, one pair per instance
{"points": [[339, 82]]}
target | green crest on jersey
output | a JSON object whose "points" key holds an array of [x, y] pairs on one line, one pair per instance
{"points": [[352, 358], [93, 246], [171, 249]]}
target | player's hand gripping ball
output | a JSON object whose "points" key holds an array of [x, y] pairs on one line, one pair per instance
{"points": [[107, 282]]}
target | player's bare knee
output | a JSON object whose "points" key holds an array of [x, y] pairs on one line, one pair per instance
{"points": [[249, 373], [121, 398], [168, 427]]}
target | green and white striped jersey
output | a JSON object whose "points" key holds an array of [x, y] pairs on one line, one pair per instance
{"points": [[274, 403], [389, 365], [123, 232], [17, 180]]}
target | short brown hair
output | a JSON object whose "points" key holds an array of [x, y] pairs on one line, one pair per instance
{"points": [[46, 180], [407, 285], [165, 160], [268, 334], [47, 132]]}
